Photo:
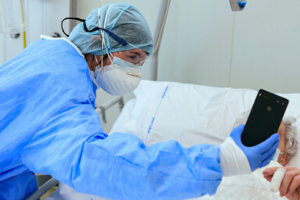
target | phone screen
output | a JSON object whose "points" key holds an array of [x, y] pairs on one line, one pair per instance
{"points": [[264, 119]]}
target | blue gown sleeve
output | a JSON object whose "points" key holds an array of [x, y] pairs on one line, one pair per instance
{"points": [[72, 148]]}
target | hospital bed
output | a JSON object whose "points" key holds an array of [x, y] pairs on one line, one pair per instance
{"points": [[190, 114]]}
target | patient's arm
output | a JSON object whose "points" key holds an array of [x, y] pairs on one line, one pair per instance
{"points": [[290, 186]]}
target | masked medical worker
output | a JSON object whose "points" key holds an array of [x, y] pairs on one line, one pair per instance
{"points": [[48, 123]]}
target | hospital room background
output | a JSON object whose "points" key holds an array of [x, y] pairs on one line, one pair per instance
{"points": [[203, 42]]}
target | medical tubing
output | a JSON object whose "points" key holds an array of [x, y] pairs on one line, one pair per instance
{"points": [[23, 21], [162, 28]]}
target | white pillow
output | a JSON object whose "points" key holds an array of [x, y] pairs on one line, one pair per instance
{"points": [[190, 114]]}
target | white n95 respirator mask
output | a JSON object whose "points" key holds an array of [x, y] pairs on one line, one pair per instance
{"points": [[118, 78]]}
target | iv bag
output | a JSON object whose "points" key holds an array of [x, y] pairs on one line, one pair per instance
{"points": [[13, 16]]}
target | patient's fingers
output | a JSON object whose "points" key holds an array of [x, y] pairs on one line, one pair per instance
{"points": [[268, 178], [287, 180], [269, 172], [294, 185]]}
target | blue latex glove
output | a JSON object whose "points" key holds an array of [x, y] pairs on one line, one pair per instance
{"points": [[259, 155]]}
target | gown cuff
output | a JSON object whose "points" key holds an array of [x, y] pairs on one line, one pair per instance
{"points": [[233, 160]]}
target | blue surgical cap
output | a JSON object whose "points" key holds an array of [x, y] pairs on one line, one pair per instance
{"points": [[123, 20]]}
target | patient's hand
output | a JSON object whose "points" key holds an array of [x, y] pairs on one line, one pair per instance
{"points": [[290, 186]]}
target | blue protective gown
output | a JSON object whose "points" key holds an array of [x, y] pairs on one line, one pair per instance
{"points": [[48, 125]]}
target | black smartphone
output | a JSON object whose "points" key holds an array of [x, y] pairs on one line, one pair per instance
{"points": [[265, 118]]}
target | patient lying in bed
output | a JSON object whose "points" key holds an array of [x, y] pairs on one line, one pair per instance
{"points": [[254, 186], [288, 144]]}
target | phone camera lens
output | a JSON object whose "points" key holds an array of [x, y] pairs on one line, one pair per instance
{"points": [[269, 108]]}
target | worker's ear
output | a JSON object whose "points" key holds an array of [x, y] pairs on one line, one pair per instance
{"points": [[93, 61], [99, 59], [283, 159], [105, 59]]}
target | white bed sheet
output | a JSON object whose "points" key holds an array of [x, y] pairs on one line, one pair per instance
{"points": [[190, 114]]}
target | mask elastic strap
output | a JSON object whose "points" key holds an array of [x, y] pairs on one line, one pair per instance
{"points": [[101, 68], [102, 38], [103, 35], [96, 60], [104, 25]]}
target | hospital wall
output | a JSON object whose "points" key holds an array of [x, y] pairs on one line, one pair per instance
{"points": [[205, 43]]}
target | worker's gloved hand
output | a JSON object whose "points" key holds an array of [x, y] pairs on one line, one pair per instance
{"points": [[239, 159], [259, 155]]}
